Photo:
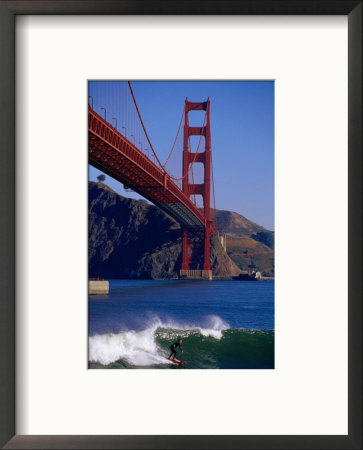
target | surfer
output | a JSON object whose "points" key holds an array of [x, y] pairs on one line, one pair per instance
{"points": [[173, 347]]}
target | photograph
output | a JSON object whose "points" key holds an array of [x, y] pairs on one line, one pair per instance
{"points": [[181, 224]]}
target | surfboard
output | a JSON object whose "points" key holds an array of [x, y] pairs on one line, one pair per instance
{"points": [[176, 361]]}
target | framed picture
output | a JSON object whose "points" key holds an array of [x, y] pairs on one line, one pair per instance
{"points": [[267, 67]]}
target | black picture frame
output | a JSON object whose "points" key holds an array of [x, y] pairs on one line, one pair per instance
{"points": [[8, 12]]}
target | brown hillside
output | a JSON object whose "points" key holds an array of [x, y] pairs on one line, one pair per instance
{"points": [[245, 252], [231, 222], [248, 244]]}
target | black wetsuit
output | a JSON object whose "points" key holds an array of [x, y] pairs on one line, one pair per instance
{"points": [[173, 351]]}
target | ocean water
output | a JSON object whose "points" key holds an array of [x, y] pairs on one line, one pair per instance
{"points": [[223, 324]]}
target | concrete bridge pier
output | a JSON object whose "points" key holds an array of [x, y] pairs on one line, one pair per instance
{"points": [[196, 274], [98, 287]]}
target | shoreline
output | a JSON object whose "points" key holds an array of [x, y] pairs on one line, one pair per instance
{"points": [[215, 278]]}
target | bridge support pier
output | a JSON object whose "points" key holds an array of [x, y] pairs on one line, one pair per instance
{"points": [[206, 262], [196, 274]]}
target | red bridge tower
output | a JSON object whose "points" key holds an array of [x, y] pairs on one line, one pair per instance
{"points": [[204, 189]]}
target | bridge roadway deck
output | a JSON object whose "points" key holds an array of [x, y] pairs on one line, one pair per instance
{"points": [[113, 154]]}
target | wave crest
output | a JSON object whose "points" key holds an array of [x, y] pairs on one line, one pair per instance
{"points": [[140, 347]]}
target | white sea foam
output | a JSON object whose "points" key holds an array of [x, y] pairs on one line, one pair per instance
{"points": [[136, 347], [140, 348], [215, 327]]}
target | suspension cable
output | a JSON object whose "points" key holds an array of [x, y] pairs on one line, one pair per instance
{"points": [[143, 126], [176, 138]]}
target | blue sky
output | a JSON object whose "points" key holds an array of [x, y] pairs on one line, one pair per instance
{"points": [[242, 129]]}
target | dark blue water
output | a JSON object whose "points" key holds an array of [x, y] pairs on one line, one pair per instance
{"points": [[136, 305]]}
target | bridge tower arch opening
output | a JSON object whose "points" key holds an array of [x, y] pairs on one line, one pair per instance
{"points": [[203, 189]]}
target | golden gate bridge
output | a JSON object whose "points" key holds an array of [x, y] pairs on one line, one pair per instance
{"points": [[119, 146]]}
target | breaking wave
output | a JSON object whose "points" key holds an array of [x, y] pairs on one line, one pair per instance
{"points": [[213, 345]]}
